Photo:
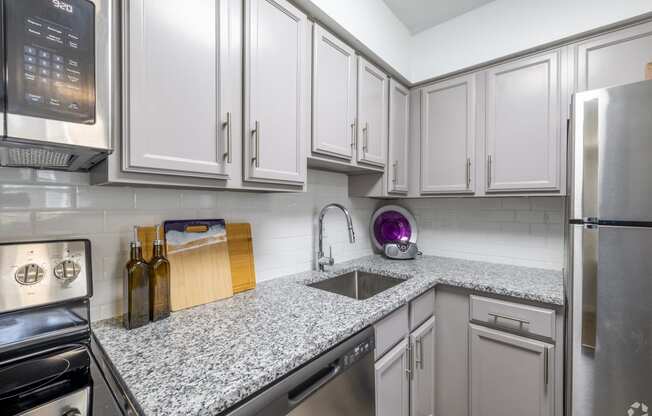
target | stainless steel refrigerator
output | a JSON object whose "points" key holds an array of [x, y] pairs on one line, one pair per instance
{"points": [[609, 366]]}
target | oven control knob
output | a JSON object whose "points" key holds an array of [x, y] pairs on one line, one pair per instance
{"points": [[72, 412], [67, 270], [29, 274]]}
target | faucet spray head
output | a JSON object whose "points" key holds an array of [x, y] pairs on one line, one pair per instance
{"points": [[351, 235]]}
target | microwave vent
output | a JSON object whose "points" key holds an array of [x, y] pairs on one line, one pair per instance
{"points": [[35, 158]]}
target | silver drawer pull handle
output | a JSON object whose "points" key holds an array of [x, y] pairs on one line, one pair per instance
{"points": [[408, 361], [256, 157], [229, 140], [546, 365], [418, 354], [468, 173], [353, 133], [496, 316], [365, 138], [395, 166], [489, 162]]}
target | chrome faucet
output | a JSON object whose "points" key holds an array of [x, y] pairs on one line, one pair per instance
{"points": [[321, 259]]}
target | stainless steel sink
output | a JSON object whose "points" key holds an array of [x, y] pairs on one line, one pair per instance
{"points": [[357, 285]]}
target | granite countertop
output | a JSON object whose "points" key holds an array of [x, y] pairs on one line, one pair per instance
{"points": [[203, 360]]}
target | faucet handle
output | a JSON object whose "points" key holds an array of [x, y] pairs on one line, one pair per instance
{"points": [[331, 260]]}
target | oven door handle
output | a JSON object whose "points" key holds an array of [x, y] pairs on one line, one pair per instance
{"points": [[313, 383]]}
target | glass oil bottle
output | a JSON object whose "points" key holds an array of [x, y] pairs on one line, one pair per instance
{"points": [[136, 287], [159, 281]]}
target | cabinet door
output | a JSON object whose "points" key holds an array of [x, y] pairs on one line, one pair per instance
{"points": [[523, 124], [276, 91], [399, 123], [173, 113], [510, 375], [333, 95], [448, 136], [615, 58], [372, 114], [392, 382], [422, 391]]}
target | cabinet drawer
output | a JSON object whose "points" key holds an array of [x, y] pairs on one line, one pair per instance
{"points": [[522, 318], [422, 308], [391, 330]]}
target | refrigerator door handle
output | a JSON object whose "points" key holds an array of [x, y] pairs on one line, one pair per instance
{"points": [[590, 238], [585, 166]]}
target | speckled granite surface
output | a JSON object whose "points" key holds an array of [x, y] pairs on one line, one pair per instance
{"points": [[203, 360]]}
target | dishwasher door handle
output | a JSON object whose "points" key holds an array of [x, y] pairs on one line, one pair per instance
{"points": [[302, 392]]}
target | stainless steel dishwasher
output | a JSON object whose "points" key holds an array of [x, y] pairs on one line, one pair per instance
{"points": [[340, 382]]}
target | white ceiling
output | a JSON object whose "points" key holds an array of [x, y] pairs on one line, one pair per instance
{"points": [[418, 15]]}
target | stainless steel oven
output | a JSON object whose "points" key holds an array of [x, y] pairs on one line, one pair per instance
{"points": [[48, 363], [56, 86]]}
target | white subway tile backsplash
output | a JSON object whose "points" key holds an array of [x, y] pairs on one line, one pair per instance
{"points": [[157, 199], [41, 204], [67, 223], [123, 221], [15, 225], [92, 197], [554, 204], [530, 217], [61, 177], [199, 199], [516, 203], [525, 231], [14, 196]]}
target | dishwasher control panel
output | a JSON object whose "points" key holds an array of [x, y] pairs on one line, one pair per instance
{"points": [[356, 353]]}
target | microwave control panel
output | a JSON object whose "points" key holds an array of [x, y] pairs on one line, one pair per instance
{"points": [[51, 59]]}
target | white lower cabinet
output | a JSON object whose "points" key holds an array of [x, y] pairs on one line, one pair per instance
{"points": [[422, 388], [510, 375], [392, 382], [405, 375]]}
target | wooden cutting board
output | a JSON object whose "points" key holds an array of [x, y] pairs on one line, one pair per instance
{"points": [[648, 71], [241, 254], [200, 271], [146, 236]]}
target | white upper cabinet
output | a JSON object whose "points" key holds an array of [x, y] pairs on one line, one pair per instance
{"points": [[372, 114], [523, 124], [277, 83], [174, 116], [615, 58], [399, 123], [448, 126], [333, 96]]}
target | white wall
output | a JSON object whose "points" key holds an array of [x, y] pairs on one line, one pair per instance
{"points": [[40, 205], [504, 27], [373, 24]]}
